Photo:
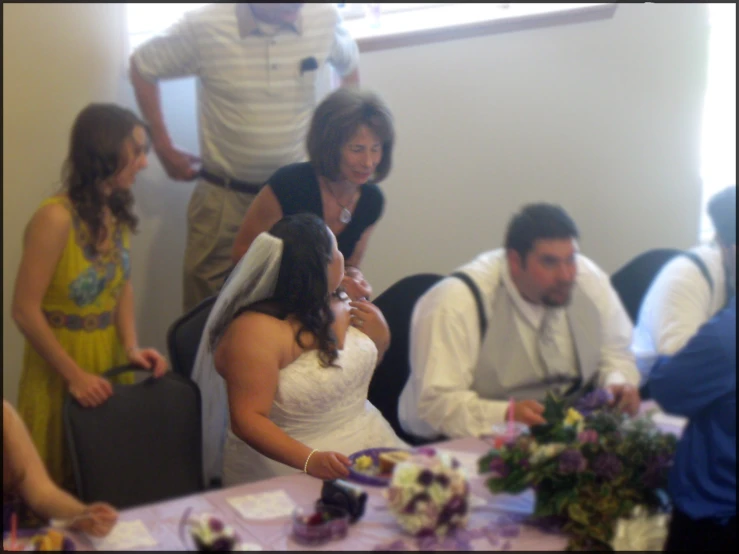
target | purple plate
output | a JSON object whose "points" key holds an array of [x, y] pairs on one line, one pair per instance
{"points": [[372, 480]]}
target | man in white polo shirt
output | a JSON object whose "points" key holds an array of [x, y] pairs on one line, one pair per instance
{"points": [[535, 316], [690, 289], [256, 66]]}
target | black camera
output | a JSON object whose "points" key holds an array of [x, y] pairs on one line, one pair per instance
{"points": [[342, 494]]}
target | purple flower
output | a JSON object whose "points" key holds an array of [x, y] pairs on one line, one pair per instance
{"points": [[572, 461], [426, 451], [498, 465], [524, 463], [656, 470], [216, 525], [443, 480], [411, 506], [457, 505], [607, 466], [588, 436], [444, 516], [425, 478], [593, 401]]}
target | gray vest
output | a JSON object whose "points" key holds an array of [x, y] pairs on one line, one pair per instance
{"points": [[505, 369]]}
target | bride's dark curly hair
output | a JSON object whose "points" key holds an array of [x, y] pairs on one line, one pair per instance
{"points": [[97, 152], [301, 290]]}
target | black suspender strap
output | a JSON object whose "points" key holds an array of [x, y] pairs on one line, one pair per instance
{"points": [[478, 300], [702, 266]]}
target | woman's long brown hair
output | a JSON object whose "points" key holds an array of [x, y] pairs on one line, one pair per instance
{"points": [[97, 152]]}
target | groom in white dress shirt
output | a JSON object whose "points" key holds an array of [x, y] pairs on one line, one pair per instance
{"points": [[553, 322]]}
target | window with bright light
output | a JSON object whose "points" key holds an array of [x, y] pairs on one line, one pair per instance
{"points": [[146, 20], [718, 144]]}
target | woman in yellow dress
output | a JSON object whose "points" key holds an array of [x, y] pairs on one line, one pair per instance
{"points": [[73, 299]]}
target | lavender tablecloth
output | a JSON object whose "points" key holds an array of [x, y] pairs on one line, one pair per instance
{"points": [[496, 521]]}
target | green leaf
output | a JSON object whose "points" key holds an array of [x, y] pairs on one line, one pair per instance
{"points": [[496, 484], [554, 409], [542, 432], [544, 510], [577, 514], [562, 499]]}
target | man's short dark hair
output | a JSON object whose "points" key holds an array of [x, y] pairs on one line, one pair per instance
{"points": [[535, 222], [722, 211]]}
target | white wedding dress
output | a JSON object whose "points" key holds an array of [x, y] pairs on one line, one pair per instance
{"points": [[323, 407]]}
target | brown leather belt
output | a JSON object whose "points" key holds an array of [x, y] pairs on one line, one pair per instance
{"points": [[231, 184]]}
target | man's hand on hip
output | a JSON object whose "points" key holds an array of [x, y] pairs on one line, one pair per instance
{"points": [[180, 165]]}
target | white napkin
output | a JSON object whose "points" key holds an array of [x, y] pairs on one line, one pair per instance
{"points": [[266, 505], [666, 420], [126, 535]]}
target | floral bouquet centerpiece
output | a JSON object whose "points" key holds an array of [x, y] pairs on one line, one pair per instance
{"points": [[591, 468], [208, 533], [429, 494]]}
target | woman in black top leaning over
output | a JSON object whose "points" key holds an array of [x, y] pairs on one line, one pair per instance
{"points": [[350, 145]]}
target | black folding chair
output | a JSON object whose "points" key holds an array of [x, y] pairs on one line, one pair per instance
{"points": [[183, 336], [142, 445], [396, 304], [633, 280]]}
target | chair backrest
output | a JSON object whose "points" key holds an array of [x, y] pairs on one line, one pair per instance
{"points": [[142, 445], [183, 336], [633, 280], [391, 374]]}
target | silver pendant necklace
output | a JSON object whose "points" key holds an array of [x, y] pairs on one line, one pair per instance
{"points": [[345, 216]]}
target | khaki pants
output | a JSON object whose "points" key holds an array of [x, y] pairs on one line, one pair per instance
{"points": [[213, 218]]}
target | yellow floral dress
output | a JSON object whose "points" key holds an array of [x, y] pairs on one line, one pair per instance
{"points": [[79, 306]]}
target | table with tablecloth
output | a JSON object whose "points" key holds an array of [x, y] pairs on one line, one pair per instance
{"points": [[497, 522]]}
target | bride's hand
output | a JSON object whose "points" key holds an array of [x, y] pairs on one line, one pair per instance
{"points": [[368, 318], [328, 465], [355, 285]]}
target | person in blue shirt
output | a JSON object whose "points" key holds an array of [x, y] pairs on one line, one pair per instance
{"points": [[699, 382]]}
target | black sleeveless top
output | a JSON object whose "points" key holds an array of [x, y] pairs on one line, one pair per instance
{"points": [[297, 190]]}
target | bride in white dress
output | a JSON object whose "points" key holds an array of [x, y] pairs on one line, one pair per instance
{"points": [[295, 362]]}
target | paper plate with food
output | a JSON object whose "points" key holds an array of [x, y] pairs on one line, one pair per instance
{"points": [[374, 466]]}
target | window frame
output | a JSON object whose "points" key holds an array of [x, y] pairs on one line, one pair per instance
{"points": [[493, 17]]}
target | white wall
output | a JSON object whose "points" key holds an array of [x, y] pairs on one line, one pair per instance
{"points": [[602, 117]]}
